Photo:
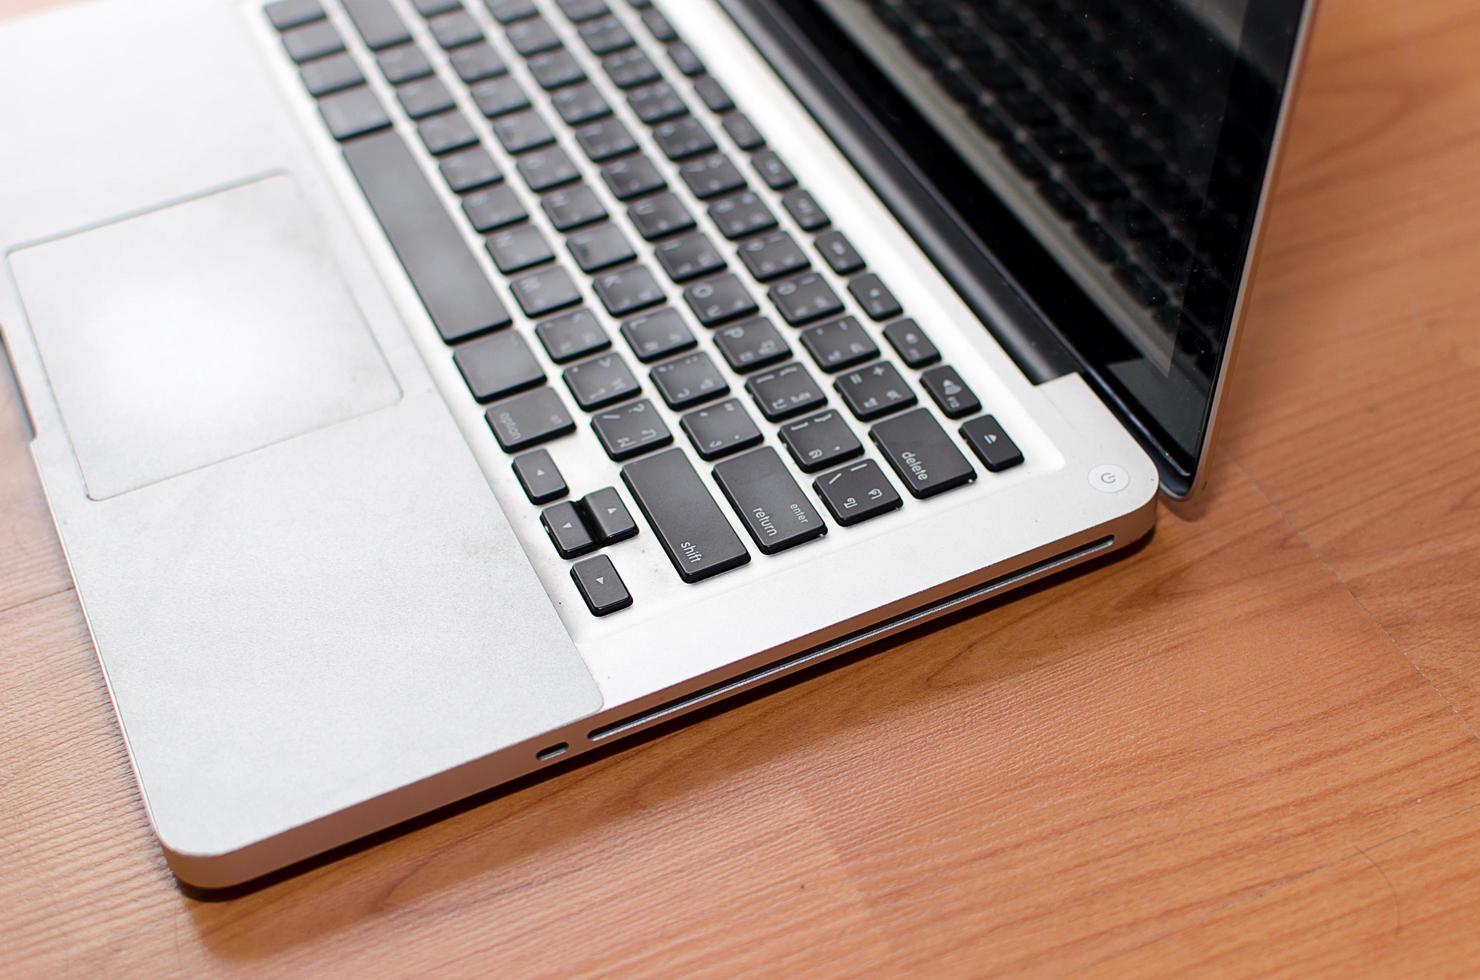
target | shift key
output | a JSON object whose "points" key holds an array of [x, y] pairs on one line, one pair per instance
{"points": [[688, 523], [775, 511]]}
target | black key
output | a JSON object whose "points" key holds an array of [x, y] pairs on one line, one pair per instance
{"points": [[455, 29], [741, 215], [805, 210], [771, 256], [284, 14], [689, 257], [657, 335], [713, 94], [547, 168], [600, 586], [545, 291], [911, 344], [605, 140], [493, 208], [403, 64], [571, 335], [628, 290], [776, 174], [519, 248], [804, 299], [353, 112], [529, 419], [332, 74], [431, 8], [991, 444], [425, 97], [499, 96], [378, 23], [567, 531], [600, 381], [580, 103], [555, 69], [689, 524], [856, 493], [660, 215], [469, 169], [875, 298], [710, 176], [922, 454], [632, 178], [605, 35], [874, 391], [785, 392], [600, 248], [475, 62], [770, 504], [950, 392], [718, 300], [655, 103], [573, 207], [839, 344], [720, 429], [820, 441], [607, 516], [538, 475], [839, 253], [743, 131], [498, 365], [680, 139], [508, 11], [579, 10], [630, 430], [315, 40], [445, 133], [751, 345], [532, 36], [658, 25], [449, 280], [630, 68], [523, 131], [689, 380], [684, 59]]}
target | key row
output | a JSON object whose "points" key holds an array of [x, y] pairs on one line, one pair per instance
{"points": [[696, 536]]}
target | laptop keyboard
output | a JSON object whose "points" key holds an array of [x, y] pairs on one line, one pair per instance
{"points": [[754, 331]]}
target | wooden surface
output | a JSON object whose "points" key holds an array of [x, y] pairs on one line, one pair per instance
{"points": [[1249, 747]]}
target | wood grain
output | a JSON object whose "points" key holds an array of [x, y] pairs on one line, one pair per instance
{"points": [[1250, 747]]}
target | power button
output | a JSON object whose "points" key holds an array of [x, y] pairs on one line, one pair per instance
{"points": [[1109, 478]]}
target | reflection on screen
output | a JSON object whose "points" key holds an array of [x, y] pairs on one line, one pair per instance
{"points": [[1106, 127]]}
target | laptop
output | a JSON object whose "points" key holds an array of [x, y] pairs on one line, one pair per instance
{"points": [[428, 392]]}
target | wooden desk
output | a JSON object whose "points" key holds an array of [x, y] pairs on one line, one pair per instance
{"points": [[1250, 746]]}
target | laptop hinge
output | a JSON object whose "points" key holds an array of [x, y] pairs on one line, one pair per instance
{"points": [[965, 262]]}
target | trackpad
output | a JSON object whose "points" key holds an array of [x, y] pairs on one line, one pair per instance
{"points": [[196, 332]]}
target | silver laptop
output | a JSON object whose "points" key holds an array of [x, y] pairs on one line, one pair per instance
{"points": [[428, 392]]}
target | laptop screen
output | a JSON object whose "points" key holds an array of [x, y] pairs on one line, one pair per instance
{"points": [[1110, 156]]}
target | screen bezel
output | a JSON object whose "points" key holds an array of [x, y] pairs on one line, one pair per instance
{"points": [[1084, 329]]}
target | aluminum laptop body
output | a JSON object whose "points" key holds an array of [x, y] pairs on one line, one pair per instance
{"points": [[293, 467]]}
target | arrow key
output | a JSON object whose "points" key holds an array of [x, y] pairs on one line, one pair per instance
{"points": [[567, 530], [538, 476], [600, 585], [607, 516]]}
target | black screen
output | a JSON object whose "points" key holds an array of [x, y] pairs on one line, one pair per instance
{"points": [[1109, 154]]}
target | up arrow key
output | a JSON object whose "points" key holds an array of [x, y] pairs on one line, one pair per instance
{"points": [[608, 516]]}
